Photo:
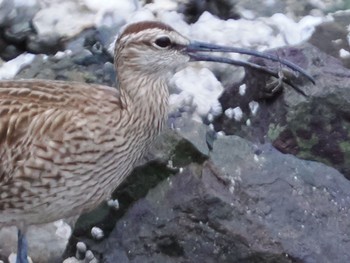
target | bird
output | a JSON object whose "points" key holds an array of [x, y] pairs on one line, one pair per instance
{"points": [[65, 146]]}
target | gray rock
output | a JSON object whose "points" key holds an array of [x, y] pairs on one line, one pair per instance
{"points": [[7, 12], [225, 9], [296, 9], [18, 32], [233, 9], [239, 207], [331, 36], [194, 132], [9, 52], [49, 44], [44, 244], [80, 66], [15, 26]]}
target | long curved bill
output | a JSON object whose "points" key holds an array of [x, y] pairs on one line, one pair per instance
{"points": [[196, 49]]}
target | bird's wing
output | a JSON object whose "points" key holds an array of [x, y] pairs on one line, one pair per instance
{"points": [[37, 119]]}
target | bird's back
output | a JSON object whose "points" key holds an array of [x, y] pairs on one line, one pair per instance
{"points": [[59, 146]]}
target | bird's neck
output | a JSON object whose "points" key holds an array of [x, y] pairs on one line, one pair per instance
{"points": [[146, 100]]}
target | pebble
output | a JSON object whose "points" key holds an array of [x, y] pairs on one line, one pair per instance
{"points": [[81, 250], [97, 233], [114, 203]]}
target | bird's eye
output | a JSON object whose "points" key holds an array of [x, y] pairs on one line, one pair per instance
{"points": [[163, 42]]}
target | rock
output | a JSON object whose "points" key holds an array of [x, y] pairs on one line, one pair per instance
{"points": [[233, 9], [225, 9], [296, 9], [194, 132], [83, 62], [7, 12], [49, 44], [18, 33], [331, 37], [76, 19], [9, 52], [10, 68], [243, 205], [79, 16], [313, 127], [46, 242], [15, 26], [82, 66]]}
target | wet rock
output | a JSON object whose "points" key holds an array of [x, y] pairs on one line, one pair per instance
{"points": [[239, 207]]}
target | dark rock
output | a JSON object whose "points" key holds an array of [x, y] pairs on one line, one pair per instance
{"points": [[21, 37], [224, 9], [48, 45], [97, 41], [102, 36], [314, 127], [239, 207], [87, 64], [9, 52], [18, 33], [16, 27]]}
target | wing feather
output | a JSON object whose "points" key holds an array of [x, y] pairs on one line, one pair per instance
{"points": [[37, 118]]}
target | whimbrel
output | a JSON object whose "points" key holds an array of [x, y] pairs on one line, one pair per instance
{"points": [[65, 146]]}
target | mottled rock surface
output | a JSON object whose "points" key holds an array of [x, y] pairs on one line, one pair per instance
{"points": [[248, 203]]}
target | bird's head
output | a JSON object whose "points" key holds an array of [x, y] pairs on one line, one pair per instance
{"points": [[152, 47]]}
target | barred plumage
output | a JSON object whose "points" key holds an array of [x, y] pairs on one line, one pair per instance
{"points": [[62, 147]]}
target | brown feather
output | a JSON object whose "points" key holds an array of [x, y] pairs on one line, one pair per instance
{"points": [[65, 146], [139, 27]]}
